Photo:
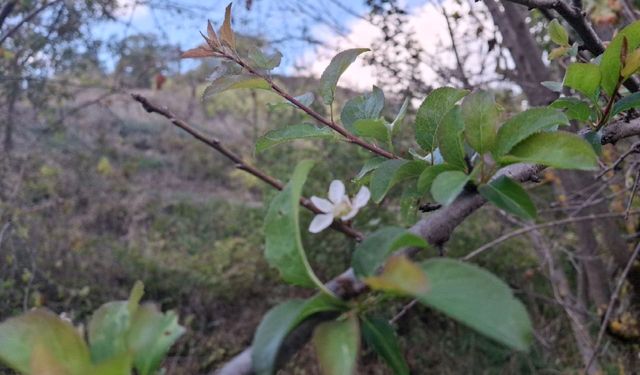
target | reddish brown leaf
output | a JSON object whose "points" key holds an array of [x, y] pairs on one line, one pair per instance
{"points": [[226, 33], [198, 53]]}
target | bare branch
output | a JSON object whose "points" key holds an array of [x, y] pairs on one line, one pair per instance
{"points": [[26, 19]]}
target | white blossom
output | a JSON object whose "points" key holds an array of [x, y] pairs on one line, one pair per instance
{"points": [[337, 206]]}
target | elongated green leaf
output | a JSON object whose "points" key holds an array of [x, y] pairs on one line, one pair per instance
{"points": [[584, 78], [575, 109], [283, 248], [40, 340], [337, 345], [477, 299], [305, 99], [557, 33], [372, 128], [480, 114], [390, 173], [526, 123], [369, 166], [451, 139], [151, 336], [365, 106], [265, 60], [626, 103], [108, 329], [429, 174], [232, 82], [399, 119], [510, 196], [372, 253], [292, 133], [331, 75], [431, 112], [558, 149], [277, 324], [610, 65], [448, 185], [380, 336]]}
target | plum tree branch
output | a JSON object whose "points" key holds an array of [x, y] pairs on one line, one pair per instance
{"points": [[238, 161], [436, 228]]}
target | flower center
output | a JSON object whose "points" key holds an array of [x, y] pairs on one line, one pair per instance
{"points": [[342, 208]]}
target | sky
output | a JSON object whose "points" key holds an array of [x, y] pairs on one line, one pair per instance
{"points": [[279, 19]]}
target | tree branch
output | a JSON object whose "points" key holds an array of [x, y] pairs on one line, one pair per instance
{"points": [[436, 228], [26, 19], [237, 160]]}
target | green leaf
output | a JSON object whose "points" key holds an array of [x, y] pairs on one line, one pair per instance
{"points": [[291, 133], [558, 149], [372, 128], [108, 329], [390, 173], [232, 82], [305, 99], [278, 323], [400, 276], [429, 174], [380, 336], [373, 251], [610, 64], [283, 248], [370, 165], [557, 33], [626, 103], [397, 122], [431, 113], [451, 139], [575, 109], [584, 78], [526, 123], [480, 114], [365, 106], [331, 75], [266, 61], [40, 340], [477, 299], [151, 336], [509, 196], [552, 85], [448, 185], [337, 345], [595, 140]]}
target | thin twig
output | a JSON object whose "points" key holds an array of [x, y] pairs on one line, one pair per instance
{"points": [[635, 148], [26, 19], [403, 311], [518, 232], [633, 193], [612, 301], [237, 160]]}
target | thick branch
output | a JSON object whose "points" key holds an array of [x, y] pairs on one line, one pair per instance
{"points": [[237, 160], [437, 227]]}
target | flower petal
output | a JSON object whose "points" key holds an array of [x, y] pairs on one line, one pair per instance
{"points": [[336, 191], [361, 199], [322, 204], [320, 222], [351, 214]]}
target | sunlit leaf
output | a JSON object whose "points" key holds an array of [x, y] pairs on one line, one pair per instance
{"points": [[291, 133], [451, 140], [526, 123], [481, 115], [331, 75], [557, 33], [400, 276], [610, 65], [558, 149], [372, 252], [509, 196], [431, 113], [365, 106], [584, 78], [283, 248], [372, 128], [232, 82]]}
